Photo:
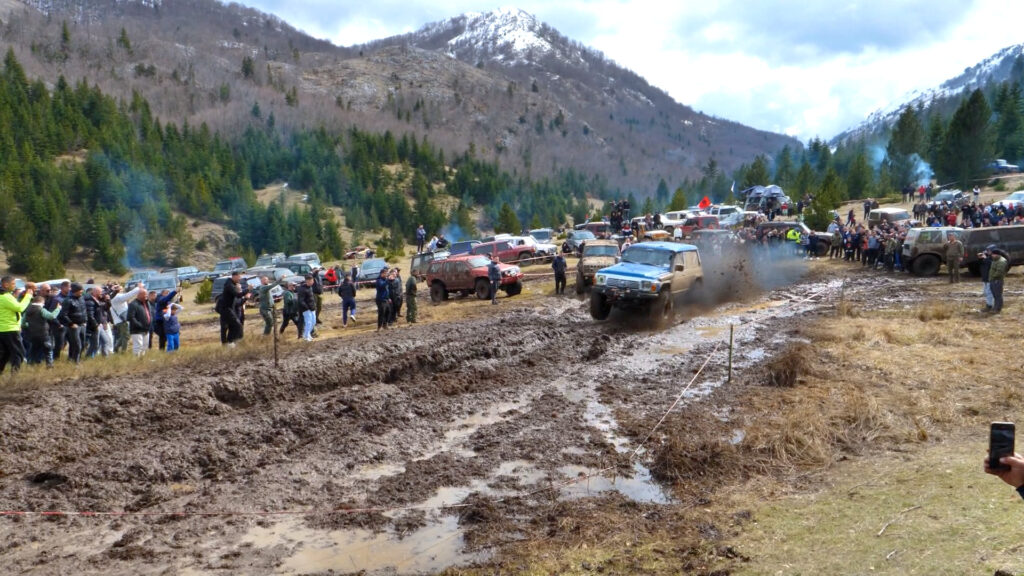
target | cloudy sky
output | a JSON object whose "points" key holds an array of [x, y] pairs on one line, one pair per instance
{"points": [[802, 67]]}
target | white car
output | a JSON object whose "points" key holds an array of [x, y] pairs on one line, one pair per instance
{"points": [[540, 249], [1012, 201]]}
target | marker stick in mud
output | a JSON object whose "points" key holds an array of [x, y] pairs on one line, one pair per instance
{"points": [[731, 327]]}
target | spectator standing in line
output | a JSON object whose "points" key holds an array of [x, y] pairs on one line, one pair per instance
{"points": [[58, 331], [318, 297], [230, 327], [73, 316], [355, 275], [152, 295], [977, 194], [395, 291], [421, 238], [347, 292], [382, 299], [410, 299], [954, 256], [36, 323], [307, 307], [984, 266], [996, 275], [92, 311], [162, 301], [119, 313], [172, 326], [12, 351], [559, 266], [290, 310], [267, 304], [494, 275], [139, 320]]}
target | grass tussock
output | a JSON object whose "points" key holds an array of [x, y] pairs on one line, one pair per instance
{"points": [[935, 311], [787, 369]]}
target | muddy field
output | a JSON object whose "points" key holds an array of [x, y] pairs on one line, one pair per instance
{"points": [[437, 446]]}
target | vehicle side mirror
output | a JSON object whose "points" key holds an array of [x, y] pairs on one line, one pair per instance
{"points": [[618, 259], [680, 267]]}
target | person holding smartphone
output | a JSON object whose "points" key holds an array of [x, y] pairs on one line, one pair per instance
{"points": [[1003, 460], [1013, 475]]}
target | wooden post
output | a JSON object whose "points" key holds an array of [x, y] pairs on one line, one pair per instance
{"points": [[273, 316], [731, 327]]}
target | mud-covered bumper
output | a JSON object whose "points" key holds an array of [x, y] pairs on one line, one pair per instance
{"points": [[626, 296]]}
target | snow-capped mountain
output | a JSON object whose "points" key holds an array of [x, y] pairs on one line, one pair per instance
{"points": [[994, 68]]}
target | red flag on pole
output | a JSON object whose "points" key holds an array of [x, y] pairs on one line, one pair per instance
{"points": [[704, 203]]}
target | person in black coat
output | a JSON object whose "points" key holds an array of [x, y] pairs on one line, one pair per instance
{"points": [[74, 317], [140, 321], [230, 325], [306, 304]]}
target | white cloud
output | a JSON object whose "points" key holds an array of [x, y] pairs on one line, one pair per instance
{"points": [[797, 66]]}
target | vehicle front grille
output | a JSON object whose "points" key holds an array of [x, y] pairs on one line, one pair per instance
{"points": [[622, 283]]}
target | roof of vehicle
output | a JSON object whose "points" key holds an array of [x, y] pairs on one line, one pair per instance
{"points": [[711, 232], [666, 246], [888, 210], [602, 243]]}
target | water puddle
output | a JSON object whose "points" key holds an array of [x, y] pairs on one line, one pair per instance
{"points": [[640, 488], [427, 550], [461, 429], [369, 472]]}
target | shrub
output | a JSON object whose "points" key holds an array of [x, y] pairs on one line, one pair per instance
{"points": [[205, 293]]}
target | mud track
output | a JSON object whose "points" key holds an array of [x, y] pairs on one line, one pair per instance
{"points": [[484, 412]]}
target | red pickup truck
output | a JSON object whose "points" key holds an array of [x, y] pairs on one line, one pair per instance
{"points": [[467, 275]]}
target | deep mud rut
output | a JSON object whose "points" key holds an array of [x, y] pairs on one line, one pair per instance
{"points": [[490, 414]]}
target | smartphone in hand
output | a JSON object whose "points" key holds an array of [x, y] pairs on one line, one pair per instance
{"points": [[1000, 443]]}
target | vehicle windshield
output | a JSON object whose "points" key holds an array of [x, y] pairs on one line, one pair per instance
{"points": [[1016, 196], [479, 261], [600, 251], [583, 235], [642, 255], [265, 260], [541, 236], [897, 216], [945, 196], [222, 266]]}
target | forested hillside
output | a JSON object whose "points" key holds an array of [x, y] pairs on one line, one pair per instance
{"points": [[80, 170]]}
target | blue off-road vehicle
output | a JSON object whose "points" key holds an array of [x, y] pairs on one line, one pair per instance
{"points": [[650, 277]]}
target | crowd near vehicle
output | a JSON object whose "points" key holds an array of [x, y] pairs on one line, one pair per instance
{"points": [[160, 282], [1000, 166], [597, 254], [467, 274], [1012, 201], [824, 238], [924, 249], [649, 277]]}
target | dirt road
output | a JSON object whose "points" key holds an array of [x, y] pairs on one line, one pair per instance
{"points": [[346, 457]]}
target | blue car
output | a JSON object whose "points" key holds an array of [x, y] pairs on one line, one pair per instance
{"points": [[649, 277]]}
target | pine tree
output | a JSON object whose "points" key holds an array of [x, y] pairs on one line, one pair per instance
{"points": [[508, 222], [829, 195], [904, 147], [859, 178], [967, 147], [757, 174], [678, 200]]}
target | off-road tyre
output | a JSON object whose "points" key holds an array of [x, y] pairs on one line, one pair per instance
{"points": [[926, 265], [437, 292], [525, 257], [482, 288], [514, 289], [581, 283], [663, 310], [599, 306]]}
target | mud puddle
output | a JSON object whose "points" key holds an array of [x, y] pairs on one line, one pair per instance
{"points": [[430, 549], [640, 488]]}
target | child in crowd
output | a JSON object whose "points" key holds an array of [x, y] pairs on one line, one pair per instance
{"points": [[172, 326]]}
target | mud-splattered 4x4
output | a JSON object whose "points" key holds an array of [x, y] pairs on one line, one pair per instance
{"points": [[650, 277], [597, 254], [468, 275]]}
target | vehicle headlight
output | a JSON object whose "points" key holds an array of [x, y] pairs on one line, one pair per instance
{"points": [[645, 285], [600, 279]]}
